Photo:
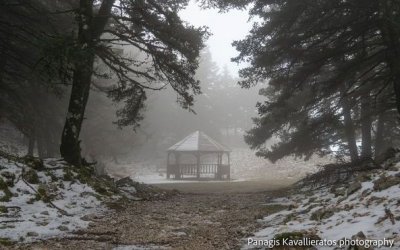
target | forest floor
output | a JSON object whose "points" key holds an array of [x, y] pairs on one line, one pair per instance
{"points": [[218, 218]]}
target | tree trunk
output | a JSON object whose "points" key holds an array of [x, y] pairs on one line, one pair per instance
{"points": [[380, 135], [40, 147], [70, 145], [366, 126], [49, 142], [31, 142], [349, 126], [90, 28], [390, 36], [50, 145], [115, 159]]}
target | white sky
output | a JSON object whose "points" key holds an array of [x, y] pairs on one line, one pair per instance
{"points": [[225, 28]]}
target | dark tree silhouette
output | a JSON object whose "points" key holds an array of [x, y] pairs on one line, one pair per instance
{"points": [[327, 62], [169, 51]]}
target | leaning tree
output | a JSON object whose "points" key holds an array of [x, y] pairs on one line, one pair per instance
{"points": [[166, 52]]}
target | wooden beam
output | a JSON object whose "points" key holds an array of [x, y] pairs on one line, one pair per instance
{"points": [[229, 166], [219, 166], [198, 165], [168, 165], [177, 167]]}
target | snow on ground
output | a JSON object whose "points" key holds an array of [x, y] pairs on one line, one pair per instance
{"points": [[334, 215], [26, 217]]}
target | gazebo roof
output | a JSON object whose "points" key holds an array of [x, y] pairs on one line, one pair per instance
{"points": [[198, 142]]}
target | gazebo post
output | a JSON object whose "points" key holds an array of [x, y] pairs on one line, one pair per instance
{"points": [[216, 174], [219, 167], [177, 167], [229, 166], [198, 165], [168, 166]]}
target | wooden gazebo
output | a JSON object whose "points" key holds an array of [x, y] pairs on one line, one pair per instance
{"points": [[195, 147]]}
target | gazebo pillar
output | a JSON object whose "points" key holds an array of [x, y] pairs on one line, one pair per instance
{"points": [[219, 166], [229, 166], [198, 165], [177, 167], [168, 165]]}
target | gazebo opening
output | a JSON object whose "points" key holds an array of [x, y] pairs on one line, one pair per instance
{"points": [[198, 155]]}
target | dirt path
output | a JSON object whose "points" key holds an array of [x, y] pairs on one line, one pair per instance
{"points": [[183, 221], [248, 186]]}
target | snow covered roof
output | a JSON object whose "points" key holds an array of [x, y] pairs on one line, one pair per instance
{"points": [[199, 141]]}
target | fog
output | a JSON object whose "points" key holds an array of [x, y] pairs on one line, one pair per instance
{"points": [[225, 27], [207, 124], [223, 111]]}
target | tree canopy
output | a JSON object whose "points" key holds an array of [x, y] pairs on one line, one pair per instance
{"points": [[137, 45], [331, 70]]}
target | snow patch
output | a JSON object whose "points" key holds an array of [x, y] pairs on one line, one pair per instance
{"points": [[365, 210], [28, 219]]}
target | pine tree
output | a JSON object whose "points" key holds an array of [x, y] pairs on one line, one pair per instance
{"points": [[324, 60], [29, 84], [170, 50]]}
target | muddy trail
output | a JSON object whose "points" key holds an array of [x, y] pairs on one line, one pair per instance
{"points": [[212, 220]]}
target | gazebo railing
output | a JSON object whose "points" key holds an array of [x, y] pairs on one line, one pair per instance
{"points": [[205, 168]]}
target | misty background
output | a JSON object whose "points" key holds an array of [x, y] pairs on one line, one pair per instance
{"points": [[223, 110]]}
